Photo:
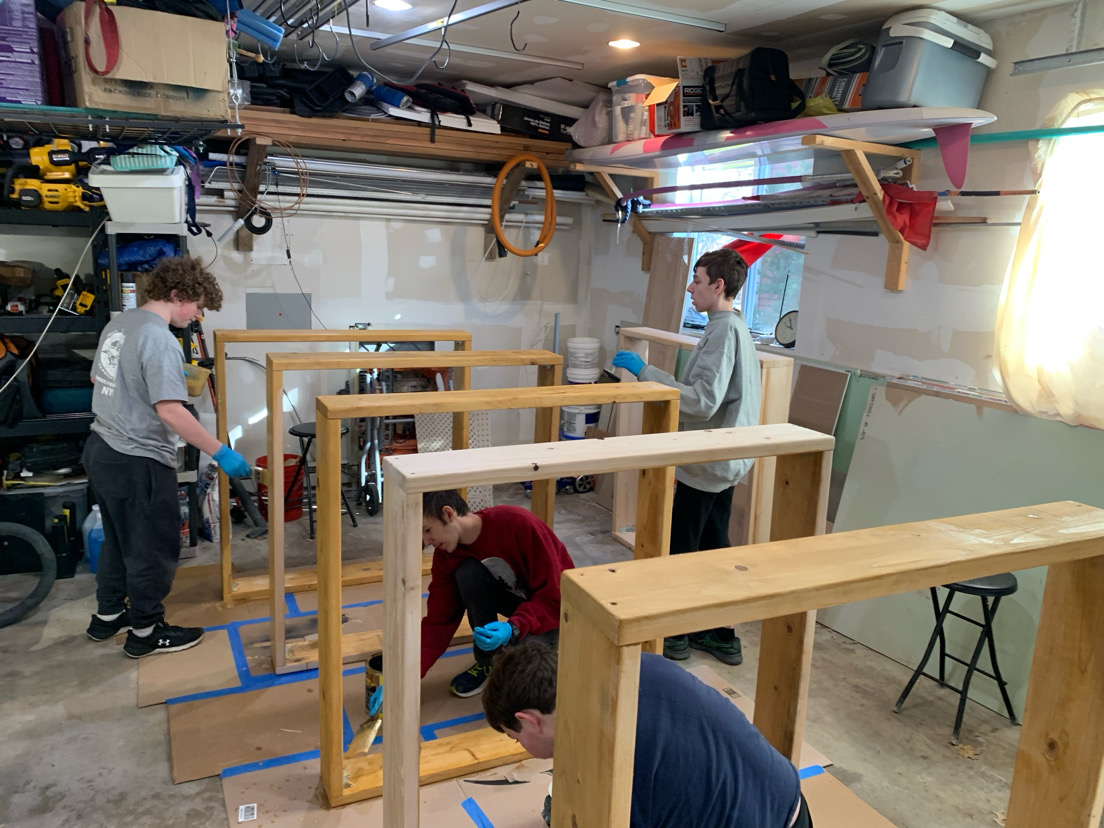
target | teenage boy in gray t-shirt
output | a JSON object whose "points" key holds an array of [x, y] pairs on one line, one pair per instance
{"points": [[130, 457], [719, 389]]}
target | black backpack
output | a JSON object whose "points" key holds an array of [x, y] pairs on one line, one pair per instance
{"points": [[752, 89], [16, 402]]}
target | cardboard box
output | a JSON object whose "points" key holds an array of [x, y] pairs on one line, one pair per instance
{"points": [[20, 62], [845, 91], [168, 64], [681, 112]]}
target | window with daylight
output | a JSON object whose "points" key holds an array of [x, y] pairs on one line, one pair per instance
{"points": [[774, 282]]}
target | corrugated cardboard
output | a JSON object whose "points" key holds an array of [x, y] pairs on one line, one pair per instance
{"points": [[845, 91], [168, 64], [681, 111]]}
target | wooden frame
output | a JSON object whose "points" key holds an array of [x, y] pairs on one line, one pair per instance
{"points": [[548, 366], [608, 613], [776, 378], [461, 341], [348, 779]]}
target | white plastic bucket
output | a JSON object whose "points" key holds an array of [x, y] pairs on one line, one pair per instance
{"points": [[582, 376], [582, 352], [574, 419]]}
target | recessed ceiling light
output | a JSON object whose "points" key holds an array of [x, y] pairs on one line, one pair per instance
{"points": [[393, 5], [623, 43]]}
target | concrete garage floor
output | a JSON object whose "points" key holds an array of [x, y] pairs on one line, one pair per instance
{"points": [[76, 750]]}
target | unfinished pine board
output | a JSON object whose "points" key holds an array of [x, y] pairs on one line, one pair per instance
{"points": [[920, 456], [461, 341], [304, 579], [407, 478], [1059, 775], [277, 365], [751, 506]]}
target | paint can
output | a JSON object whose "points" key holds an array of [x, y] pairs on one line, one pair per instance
{"points": [[373, 676], [583, 376], [130, 295], [574, 420], [582, 352]]}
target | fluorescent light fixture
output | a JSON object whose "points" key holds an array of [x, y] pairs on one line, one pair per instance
{"points": [[623, 43], [525, 57], [393, 5], [649, 14]]}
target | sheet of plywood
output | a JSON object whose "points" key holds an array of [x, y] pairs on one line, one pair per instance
{"points": [[809, 755], [920, 457], [817, 397], [209, 735], [207, 666]]}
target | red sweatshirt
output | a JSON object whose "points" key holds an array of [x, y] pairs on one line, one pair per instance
{"points": [[537, 558]]}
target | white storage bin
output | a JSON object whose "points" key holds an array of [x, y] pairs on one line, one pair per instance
{"points": [[928, 58], [632, 115], [155, 197]]}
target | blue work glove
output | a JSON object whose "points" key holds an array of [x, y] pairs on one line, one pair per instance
{"points": [[628, 360], [493, 635], [376, 702], [232, 463]]}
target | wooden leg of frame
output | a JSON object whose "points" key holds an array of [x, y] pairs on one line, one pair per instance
{"points": [[223, 433], [782, 683], [545, 430], [655, 492], [275, 447], [331, 712], [598, 684], [1059, 773], [402, 579]]}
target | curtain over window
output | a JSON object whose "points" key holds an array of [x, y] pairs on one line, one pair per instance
{"points": [[1050, 321]]}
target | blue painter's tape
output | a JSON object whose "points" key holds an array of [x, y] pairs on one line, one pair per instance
{"points": [[361, 604], [249, 767], [810, 772], [249, 682], [429, 731], [346, 730], [476, 813], [459, 652], [292, 604]]}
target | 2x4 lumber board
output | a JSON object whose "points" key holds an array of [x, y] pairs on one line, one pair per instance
{"points": [[402, 534], [1057, 778], [638, 228], [785, 667], [663, 300], [331, 710], [253, 585], [546, 429], [775, 382], [627, 420], [596, 705], [342, 406], [445, 758], [251, 188], [510, 464], [222, 431], [402, 360], [897, 260], [636, 601], [831, 142], [302, 653], [276, 335], [274, 446]]}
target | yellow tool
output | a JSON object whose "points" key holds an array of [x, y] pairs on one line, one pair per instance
{"points": [[52, 195], [56, 161], [80, 300]]}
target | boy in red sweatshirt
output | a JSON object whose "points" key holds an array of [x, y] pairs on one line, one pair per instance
{"points": [[498, 561]]}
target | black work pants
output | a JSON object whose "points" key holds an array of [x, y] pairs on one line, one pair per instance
{"points": [[141, 523], [699, 520], [804, 818], [486, 595]]}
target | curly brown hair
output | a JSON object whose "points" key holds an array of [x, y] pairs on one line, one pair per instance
{"points": [[189, 278], [523, 678]]}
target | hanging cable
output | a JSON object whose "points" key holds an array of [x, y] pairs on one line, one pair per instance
{"points": [[513, 42], [548, 227]]}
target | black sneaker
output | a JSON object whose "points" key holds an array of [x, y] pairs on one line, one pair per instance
{"points": [[164, 638], [676, 648], [100, 630], [724, 650], [471, 681]]}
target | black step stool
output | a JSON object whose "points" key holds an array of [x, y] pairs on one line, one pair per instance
{"points": [[306, 434], [992, 587]]}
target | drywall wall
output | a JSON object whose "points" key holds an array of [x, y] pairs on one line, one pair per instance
{"points": [[941, 325], [400, 274]]}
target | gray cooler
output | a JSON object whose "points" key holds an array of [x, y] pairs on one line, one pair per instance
{"points": [[928, 58]]}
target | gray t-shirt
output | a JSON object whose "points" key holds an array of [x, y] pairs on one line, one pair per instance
{"points": [[138, 363], [720, 389]]}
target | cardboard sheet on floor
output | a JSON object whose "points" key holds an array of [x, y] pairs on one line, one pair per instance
{"points": [[196, 600], [207, 666], [832, 805], [809, 754], [208, 735]]}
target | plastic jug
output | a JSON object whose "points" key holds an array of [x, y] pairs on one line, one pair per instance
{"points": [[93, 534]]}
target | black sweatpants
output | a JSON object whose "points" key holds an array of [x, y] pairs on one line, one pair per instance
{"points": [[141, 523], [699, 520], [486, 595]]}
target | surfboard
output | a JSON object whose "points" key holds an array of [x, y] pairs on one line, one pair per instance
{"points": [[881, 126]]}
